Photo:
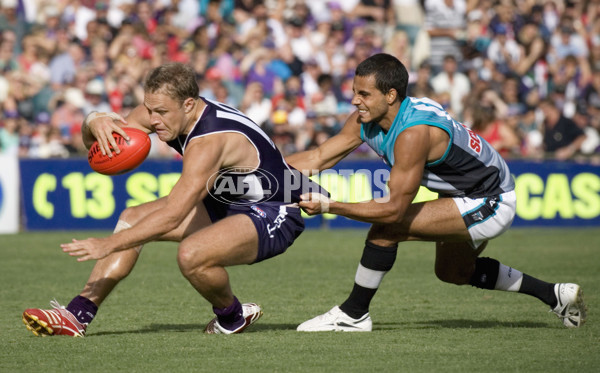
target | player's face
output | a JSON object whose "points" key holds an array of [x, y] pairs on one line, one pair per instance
{"points": [[370, 102], [167, 116]]}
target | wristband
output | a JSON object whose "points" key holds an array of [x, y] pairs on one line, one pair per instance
{"points": [[95, 115], [324, 202]]}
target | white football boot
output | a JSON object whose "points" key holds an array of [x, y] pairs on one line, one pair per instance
{"points": [[570, 307], [338, 321]]}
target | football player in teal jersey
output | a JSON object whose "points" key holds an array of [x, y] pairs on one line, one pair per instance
{"points": [[423, 146]]}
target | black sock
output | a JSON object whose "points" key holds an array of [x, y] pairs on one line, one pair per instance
{"points": [[376, 261], [358, 301], [542, 290], [485, 274]]}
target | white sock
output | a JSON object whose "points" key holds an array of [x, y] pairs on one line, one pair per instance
{"points": [[509, 279], [121, 226], [368, 278]]}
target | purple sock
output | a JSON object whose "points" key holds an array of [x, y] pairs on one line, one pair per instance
{"points": [[230, 317], [83, 309]]}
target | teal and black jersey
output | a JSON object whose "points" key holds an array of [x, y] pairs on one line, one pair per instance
{"points": [[470, 167]]}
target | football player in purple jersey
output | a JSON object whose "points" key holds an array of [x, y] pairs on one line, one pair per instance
{"points": [[230, 205]]}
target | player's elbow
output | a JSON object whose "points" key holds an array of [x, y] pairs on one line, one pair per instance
{"points": [[170, 223], [391, 213], [308, 162]]}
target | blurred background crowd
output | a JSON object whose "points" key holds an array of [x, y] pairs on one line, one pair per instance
{"points": [[524, 74]]}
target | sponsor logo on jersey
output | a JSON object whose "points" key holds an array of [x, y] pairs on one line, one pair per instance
{"points": [[474, 140], [259, 211], [477, 216]]}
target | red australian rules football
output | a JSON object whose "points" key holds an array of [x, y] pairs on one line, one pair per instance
{"points": [[133, 153]]}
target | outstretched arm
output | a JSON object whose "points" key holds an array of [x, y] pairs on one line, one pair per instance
{"points": [[331, 151], [204, 157], [411, 151]]}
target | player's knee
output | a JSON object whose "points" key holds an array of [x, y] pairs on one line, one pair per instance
{"points": [[385, 235], [185, 258], [130, 215], [454, 275], [189, 260]]}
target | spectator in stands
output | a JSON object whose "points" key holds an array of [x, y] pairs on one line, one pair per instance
{"points": [[292, 91], [591, 145], [324, 102], [445, 21], [95, 95], [118, 41], [453, 82], [420, 86], [64, 66], [504, 51], [255, 105], [331, 58], [532, 48], [8, 61], [125, 92], [257, 68], [68, 112], [572, 78], [562, 136], [398, 45], [409, 17], [530, 134], [9, 133], [591, 100], [53, 145], [297, 33], [309, 77], [493, 130], [510, 93], [507, 15], [13, 21], [379, 15], [566, 41]]}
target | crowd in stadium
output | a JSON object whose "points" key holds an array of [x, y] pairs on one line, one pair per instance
{"points": [[524, 74]]}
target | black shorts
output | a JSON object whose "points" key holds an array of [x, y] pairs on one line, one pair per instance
{"points": [[277, 225]]}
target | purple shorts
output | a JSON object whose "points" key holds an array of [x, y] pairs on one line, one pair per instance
{"points": [[277, 225]]}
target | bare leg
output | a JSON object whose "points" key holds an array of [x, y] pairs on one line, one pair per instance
{"points": [[203, 256], [108, 272], [455, 261], [426, 221]]}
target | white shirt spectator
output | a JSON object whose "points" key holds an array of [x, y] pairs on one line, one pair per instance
{"points": [[81, 16], [453, 82], [276, 28], [567, 42], [504, 51], [259, 112], [444, 15]]}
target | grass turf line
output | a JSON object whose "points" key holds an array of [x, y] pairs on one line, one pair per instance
{"points": [[153, 321]]}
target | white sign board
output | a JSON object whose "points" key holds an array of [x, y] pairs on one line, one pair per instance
{"points": [[9, 194]]}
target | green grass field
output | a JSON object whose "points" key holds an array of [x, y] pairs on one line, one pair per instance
{"points": [[153, 321]]}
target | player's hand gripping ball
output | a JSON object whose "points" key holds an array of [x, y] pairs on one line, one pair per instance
{"points": [[133, 153]]}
